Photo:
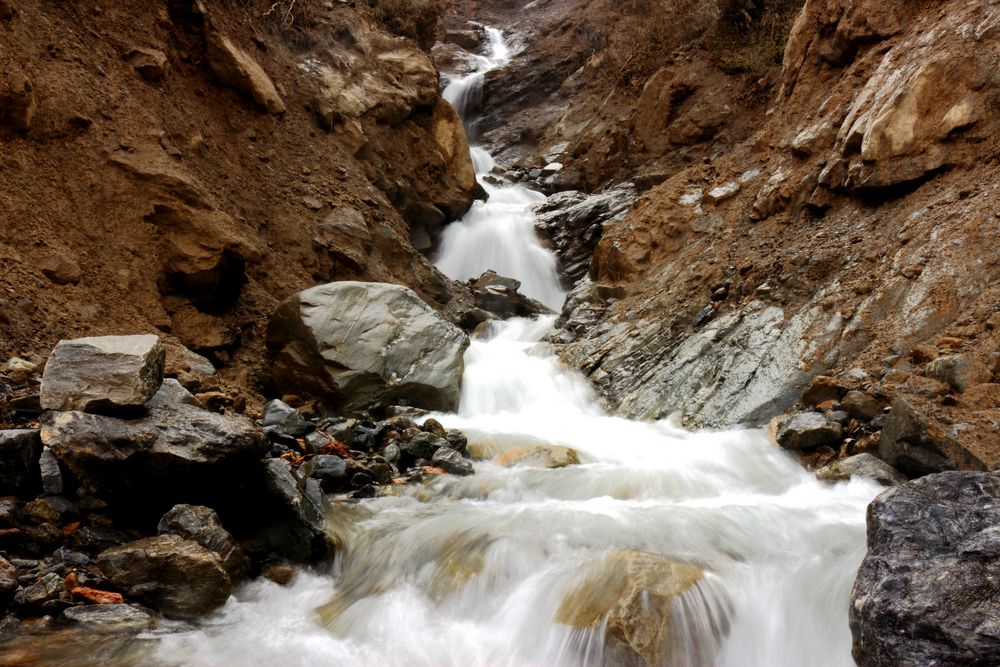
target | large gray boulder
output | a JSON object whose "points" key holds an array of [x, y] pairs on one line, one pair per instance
{"points": [[178, 577], [102, 372], [361, 345], [176, 452], [928, 591]]}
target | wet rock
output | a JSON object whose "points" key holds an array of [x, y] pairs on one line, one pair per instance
{"points": [[20, 450], [137, 463], [633, 595], [457, 441], [926, 593], [360, 345], [178, 577], [958, 371], [235, 68], [298, 530], [538, 456], [451, 461], [46, 592], [574, 223], [861, 405], [202, 524], [809, 429], [329, 470], [149, 63], [499, 296], [285, 419], [861, 465], [423, 445], [103, 372], [916, 444], [109, 618]]}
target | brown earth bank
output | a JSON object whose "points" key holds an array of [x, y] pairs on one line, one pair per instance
{"points": [[182, 167]]}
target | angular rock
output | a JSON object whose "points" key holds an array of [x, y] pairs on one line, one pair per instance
{"points": [[451, 461], [177, 452], [202, 525], [917, 445], [149, 63], [823, 388], [8, 582], [926, 592], [423, 445], [362, 345], [47, 590], [51, 475], [632, 595], [103, 372], [861, 465], [329, 470], [285, 419], [499, 296], [344, 234], [958, 371], [298, 530], [20, 450], [861, 405], [538, 456], [110, 618], [60, 269], [237, 69], [178, 577], [809, 429]]}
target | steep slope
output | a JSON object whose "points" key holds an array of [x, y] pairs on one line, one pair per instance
{"points": [[184, 166]]}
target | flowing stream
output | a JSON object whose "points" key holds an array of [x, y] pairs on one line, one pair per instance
{"points": [[486, 571]]}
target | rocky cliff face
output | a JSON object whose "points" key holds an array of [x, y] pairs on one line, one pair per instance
{"points": [[185, 166], [847, 225]]}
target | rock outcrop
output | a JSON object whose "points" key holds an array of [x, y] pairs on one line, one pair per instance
{"points": [[360, 345], [926, 592]]}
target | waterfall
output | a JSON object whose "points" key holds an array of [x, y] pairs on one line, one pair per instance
{"points": [[481, 571]]}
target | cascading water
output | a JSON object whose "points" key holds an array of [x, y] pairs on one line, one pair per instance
{"points": [[486, 571]]}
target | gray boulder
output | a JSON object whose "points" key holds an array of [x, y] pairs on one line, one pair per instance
{"points": [[109, 618], [809, 429], [102, 372], [202, 524], [361, 345], [926, 592], [861, 465], [20, 450], [298, 526], [177, 452], [178, 577]]}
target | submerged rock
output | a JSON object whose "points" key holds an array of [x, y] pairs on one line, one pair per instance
{"points": [[361, 345], [178, 577], [926, 593], [103, 372], [633, 594], [538, 456], [861, 465], [112, 618]]}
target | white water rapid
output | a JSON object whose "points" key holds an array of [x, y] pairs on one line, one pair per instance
{"points": [[476, 571]]}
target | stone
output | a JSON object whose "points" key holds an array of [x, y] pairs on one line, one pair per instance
{"points": [[235, 68], [109, 618], [103, 372], [298, 531], [149, 63], [49, 589], [926, 592], [180, 360], [958, 371], [51, 474], [345, 235], [720, 193], [20, 450], [59, 268], [451, 461], [809, 429], [136, 463], [362, 345], [631, 596], [330, 470], [423, 445], [95, 596], [861, 465], [538, 456], [202, 524], [499, 296], [861, 405], [8, 582], [175, 576], [18, 102], [916, 444], [285, 419], [823, 388]]}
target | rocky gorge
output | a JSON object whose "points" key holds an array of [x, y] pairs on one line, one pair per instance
{"points": [[286, 363]]}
